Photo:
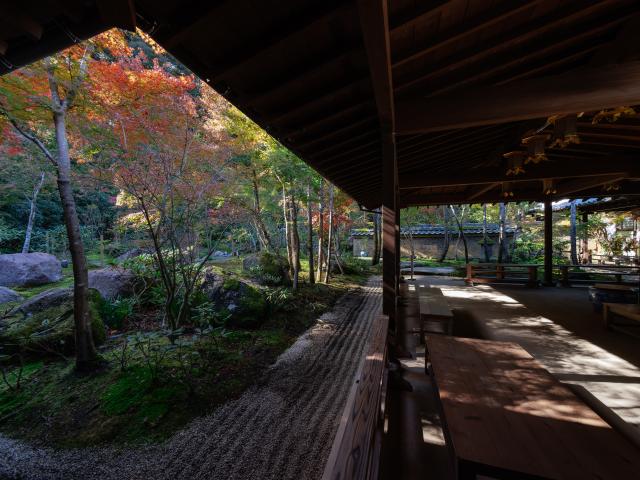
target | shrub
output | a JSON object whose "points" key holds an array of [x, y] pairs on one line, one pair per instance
{"points": [[115, 312], [272, 269]]}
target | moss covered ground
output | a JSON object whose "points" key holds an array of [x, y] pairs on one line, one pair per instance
{"points": [[149, 388]]}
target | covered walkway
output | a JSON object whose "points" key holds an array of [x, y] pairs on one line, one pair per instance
{"points": [[556, 325]]}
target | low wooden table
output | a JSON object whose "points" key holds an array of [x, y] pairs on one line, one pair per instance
{"points": [[629, 312], [505, 416]]}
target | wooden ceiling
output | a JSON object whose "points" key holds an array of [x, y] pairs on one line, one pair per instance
{"points": [[470, 79]]}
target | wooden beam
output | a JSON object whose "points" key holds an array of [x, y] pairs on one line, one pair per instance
{"points": [[482, 190], [582, 184], [20, 20], [118, 13], [580, 90], [374, 21], [560, 169], [491, 16], [543, 27], [528, 195]]}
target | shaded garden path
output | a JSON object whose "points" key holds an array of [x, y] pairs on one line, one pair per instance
{"points": [[280, 429]]}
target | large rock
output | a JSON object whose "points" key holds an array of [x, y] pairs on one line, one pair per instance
{"points": [[112, 282], [129, 254], [7, 295], [29, 269], [48, 324], [250, 262], [240, 304], [268, 268], [47, 299]]}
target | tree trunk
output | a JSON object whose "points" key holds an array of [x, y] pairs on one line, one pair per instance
{"points": [[585, 237], [321, 232], [375, 254], [261, 229], [329, 235], [485, 240], [287, 229], [336, 253], [461, 234], [32, 214], [445, 238], [501, 234], [412, 249], [295, 241], [573, 233], [312, 277], [86, 355]]}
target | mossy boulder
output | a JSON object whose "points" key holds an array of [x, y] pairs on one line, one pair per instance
{"points": [[268, 268], [242, 304], [50, 330]]}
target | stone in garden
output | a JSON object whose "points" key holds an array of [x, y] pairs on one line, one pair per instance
{"points": [[112, 282], [7, 295], [244, 303], [133, 253], [29, 269], [250, 261], [47, 299]]}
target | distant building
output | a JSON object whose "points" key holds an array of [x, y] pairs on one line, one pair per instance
{"points": [[429, 240]]}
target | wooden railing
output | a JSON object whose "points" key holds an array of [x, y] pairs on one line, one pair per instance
{"points": [[598, 274], [355, 453], [502, 273]]}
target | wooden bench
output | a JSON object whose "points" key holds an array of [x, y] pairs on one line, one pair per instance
{"points": [[355, 453], [505, 416], [502, 273], [434, 307], [617, 315]]}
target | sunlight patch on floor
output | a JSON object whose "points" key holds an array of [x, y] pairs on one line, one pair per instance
{"points": [[610, 378]]}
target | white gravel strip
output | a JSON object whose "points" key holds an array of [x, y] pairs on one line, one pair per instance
{"points": [[281, 429]]}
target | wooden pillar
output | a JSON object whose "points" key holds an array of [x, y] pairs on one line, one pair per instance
{"points": [[548, 243], [389, 229]]}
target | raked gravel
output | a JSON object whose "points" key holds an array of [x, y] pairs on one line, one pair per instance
{"points": [[282, 428]]}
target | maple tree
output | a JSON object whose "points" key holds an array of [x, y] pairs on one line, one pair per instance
{"points": [[29, 101]]}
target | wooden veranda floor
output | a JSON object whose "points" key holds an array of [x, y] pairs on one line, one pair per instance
{"points": [[556, 325]]}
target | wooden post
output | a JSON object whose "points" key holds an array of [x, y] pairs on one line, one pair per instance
{"points": [[389, 237], [548, 243]]}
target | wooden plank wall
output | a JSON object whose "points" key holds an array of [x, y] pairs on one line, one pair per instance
{"points": [[355, 453]]}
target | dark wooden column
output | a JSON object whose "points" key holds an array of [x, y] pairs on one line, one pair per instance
{"points": [[397, 242], [389, 229], [548, 243], [374, 21]]}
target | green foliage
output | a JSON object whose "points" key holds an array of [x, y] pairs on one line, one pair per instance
{"points": [[278, 299], [354, 265], [272, 270], [115, 312], [250, 313]]}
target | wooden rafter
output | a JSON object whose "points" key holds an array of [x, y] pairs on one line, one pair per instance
{"points": [[118, 13], [561, 169], [526, 195], [585, 90]]}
